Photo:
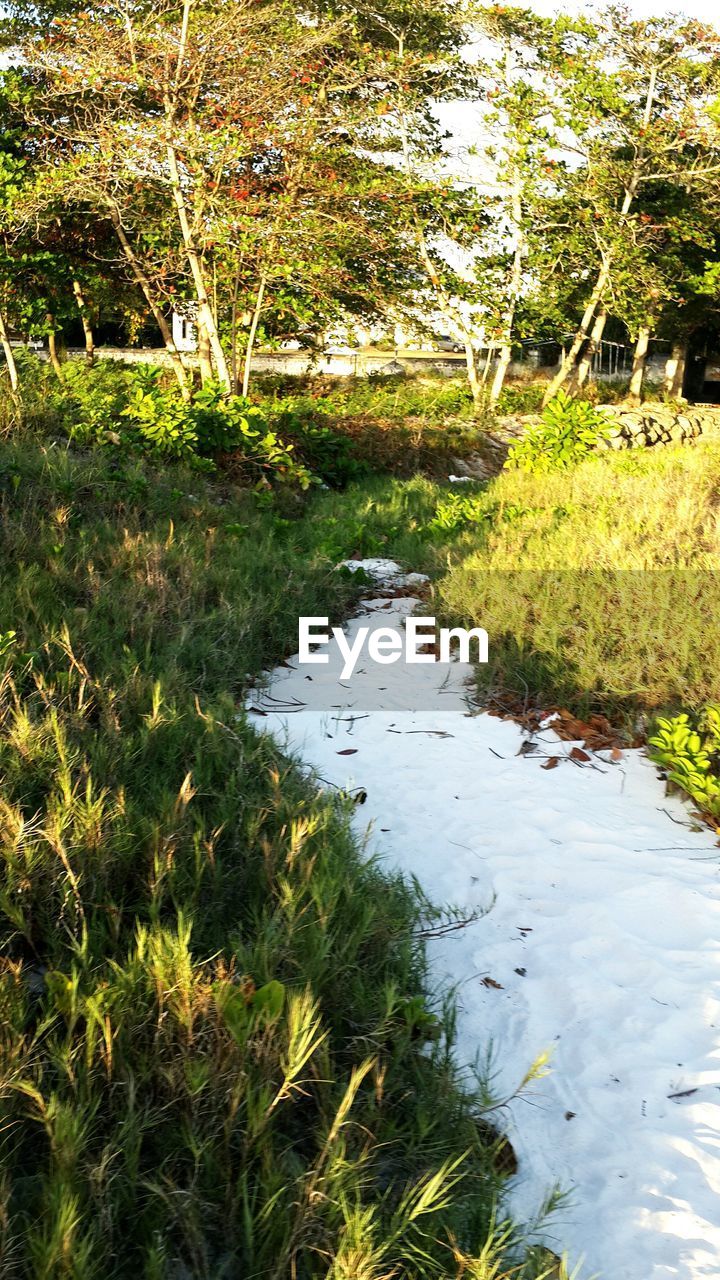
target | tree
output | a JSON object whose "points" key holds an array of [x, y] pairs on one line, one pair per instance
{"points": [[230, 145], [639, 115], [525, 120]]}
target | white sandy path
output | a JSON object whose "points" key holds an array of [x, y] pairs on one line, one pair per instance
{"points": [[604, 934]]}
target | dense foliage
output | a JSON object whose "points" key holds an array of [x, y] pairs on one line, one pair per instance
{"points": [[268, 176]]}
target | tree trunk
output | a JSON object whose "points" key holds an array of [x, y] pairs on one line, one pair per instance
{"points": [[252, 333], [501, 369], [445, 301], [204, 355], [514, 287], [205, 312], [568, 361], [584, 366], [234, 334], [144, 284], [53, 349], [675, 370], [639, 358], [488, 361], [678, 387], [601, 283], [9, 359], [476, 386], [86, 322]]}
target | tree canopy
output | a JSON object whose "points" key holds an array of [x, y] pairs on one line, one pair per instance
{"points": [[281, 168]]}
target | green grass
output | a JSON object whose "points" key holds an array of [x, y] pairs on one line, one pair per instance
{"points": [[598, 585], [218, 1056], [393, 397], [340, 429]]}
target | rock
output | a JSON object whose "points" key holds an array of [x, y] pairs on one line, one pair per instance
{"points": [[473, 467], [634, 423]]}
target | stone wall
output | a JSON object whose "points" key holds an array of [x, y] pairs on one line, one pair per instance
{"points": [[650, 424], [653, 423]]}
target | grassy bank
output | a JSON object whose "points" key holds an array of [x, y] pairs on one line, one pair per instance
{"points": [[218, 1054], [598, 585]]}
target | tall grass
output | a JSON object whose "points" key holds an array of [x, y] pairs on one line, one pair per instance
{"points": [[217, 1053], [598, 586]]}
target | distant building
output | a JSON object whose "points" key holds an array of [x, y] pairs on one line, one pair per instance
{"points": [[184, 326]]}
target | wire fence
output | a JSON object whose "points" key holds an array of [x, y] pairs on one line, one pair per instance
{"points": [[610, 359]]}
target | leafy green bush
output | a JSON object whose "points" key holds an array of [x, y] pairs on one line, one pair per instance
{"points": [[569, 431], [688, 748], [457, 510], [90, 401], [139, 408], [332, 457], [158, 418]]}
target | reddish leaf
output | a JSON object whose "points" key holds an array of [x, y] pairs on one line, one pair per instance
{"points": [[552, 762], [577, 753], [349, 751], [490, 982]]}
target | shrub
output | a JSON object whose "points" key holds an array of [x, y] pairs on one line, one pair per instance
{"points": [[138, 407], [569, 431], [688, 748], [331, 456], [88, 402], [158, 418], [457, 510]]}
